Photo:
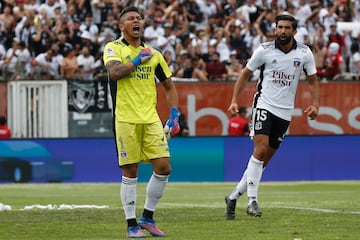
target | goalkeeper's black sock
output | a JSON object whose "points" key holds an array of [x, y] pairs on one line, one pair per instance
{"points": [[148, 214]]}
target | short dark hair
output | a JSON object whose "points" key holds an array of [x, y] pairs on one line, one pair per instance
{"points": [[129, 9], [242, 110], [286, 17]]}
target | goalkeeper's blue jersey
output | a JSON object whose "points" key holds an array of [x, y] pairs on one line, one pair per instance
{"points": [[134, 96]]}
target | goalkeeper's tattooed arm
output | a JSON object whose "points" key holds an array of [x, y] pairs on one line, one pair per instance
{"points": [[118, 70]]}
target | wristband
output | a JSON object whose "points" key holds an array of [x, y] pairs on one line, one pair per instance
{"points": [[136, 61], [174, 113]]}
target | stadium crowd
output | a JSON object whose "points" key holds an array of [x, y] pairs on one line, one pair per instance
{"points": [[205, 40]]}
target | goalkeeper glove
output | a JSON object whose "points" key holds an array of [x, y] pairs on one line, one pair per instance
{"points": [[144, 53], [172, 126]]}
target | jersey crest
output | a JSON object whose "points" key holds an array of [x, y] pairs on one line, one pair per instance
{"points": [[296, 63], [110, 52]]}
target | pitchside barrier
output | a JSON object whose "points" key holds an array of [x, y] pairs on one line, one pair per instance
{"points": [[60, 109], [193, 159], [37, 109]]}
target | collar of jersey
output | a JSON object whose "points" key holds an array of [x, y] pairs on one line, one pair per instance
{"points": [[127, 44], [293, 46]]}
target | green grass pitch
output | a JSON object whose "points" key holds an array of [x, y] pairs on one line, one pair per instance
{"points": [[291, 211]]}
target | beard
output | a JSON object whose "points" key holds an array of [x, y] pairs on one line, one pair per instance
{"points": [[284, 41]]}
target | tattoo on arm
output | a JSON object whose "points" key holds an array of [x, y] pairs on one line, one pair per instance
{"points": [[118, 70]]}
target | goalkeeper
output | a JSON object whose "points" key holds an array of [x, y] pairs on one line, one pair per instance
{"points": [[139, 135]]}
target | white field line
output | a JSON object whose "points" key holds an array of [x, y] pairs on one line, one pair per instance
{"points": [[319, 210], [4, 207], [285, 207]]}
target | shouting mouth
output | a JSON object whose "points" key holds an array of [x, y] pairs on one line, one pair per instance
{"points": [[136, 29]]}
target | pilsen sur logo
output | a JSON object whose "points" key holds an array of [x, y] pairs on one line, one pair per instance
{"points": [[282, 78]]}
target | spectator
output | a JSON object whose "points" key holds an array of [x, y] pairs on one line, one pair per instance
{"points": [[100, 72], [230, 7], [153, 32], [202, 42], [86, 64], [176, 17], [276, 7], [60, 23], [49, 6], [302, 35], [32, 5], [83, 9], [56, 60], [194, 23], [169, 61], [355, 60], [11, 60], [319, 47], [71, 13], [86, 41], [107, 34], [235, 30], [238, 124], [44, 66], [24, 30], [258, 37], [2, 58], [328, 17], [89, 26], [207, 57], [58, 16], [339, 38], [96, 7], [215, 69], [303, 11], [234, 68], [190, 70], [167, 41], [208, 8], [333, 62], [5, 131], [222, 44], [69, 67], [42, 35], [63, 43], [185, 45], [193, 11], [313, 22], [20, 11], [249, 10], [177, 64], [112, 23], [23, 68], [74, 35], [344, 11], [266, 21], [7, 18]]}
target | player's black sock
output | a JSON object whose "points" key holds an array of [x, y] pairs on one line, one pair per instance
{"points": [[132, 222], [148, 214]]}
